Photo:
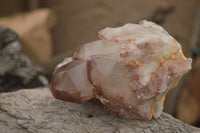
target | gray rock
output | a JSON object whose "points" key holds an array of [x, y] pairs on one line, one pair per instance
{"points": [[7, 36], [36, 110], [15, 67]]}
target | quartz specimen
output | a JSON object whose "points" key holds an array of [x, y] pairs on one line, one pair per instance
{"points": [[130, 70]]}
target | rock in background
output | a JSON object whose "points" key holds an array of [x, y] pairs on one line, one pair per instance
{"points": [[80, 21], [188, 105], [16, 70], [37, 111], [33, 29]]}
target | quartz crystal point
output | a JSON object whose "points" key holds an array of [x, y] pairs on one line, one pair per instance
{"points": [[130, 70]]}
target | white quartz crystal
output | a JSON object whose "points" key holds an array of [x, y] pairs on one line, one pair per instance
{"points": [[130, 70]]}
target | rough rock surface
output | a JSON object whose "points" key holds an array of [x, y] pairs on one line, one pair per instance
{"points": [[36, 110], [16, 70]]}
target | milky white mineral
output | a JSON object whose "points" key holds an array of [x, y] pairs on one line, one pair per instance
{"points": [[130, 70]]}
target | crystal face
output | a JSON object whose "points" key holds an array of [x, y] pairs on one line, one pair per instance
{"points": [[130, 70]]}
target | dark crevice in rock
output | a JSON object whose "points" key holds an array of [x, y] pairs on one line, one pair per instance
{"points": [[90, 116]]}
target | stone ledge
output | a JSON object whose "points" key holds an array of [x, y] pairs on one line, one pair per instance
{"points": [[35, 110]]}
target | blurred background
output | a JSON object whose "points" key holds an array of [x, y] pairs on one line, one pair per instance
{"points": [[50, 30]]}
